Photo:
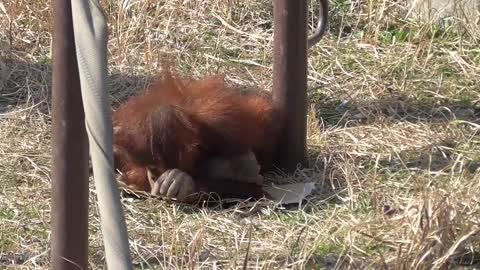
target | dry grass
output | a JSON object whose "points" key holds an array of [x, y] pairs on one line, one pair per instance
{"points": [[393, 133]]}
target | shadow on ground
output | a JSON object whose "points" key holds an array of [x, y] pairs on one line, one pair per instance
{"points": [[27, 85], [338, 113], [440, 157]]}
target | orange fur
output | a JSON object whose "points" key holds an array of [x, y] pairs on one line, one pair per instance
{"points": [[178, 123]]}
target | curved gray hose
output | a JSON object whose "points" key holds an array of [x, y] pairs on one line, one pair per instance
{"points": [[90, 31], [321, 24]]}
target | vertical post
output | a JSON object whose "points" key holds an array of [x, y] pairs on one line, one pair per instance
{"points": [[70, 150], [290, 79]]}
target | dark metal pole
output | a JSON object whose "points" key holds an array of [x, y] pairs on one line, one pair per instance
{"points": [[290, 79], [70, 150]]}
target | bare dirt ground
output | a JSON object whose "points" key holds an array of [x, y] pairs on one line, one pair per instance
{"points": [[393, 136]]}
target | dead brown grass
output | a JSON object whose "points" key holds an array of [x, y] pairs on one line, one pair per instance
{"points": [[393, 135]]}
